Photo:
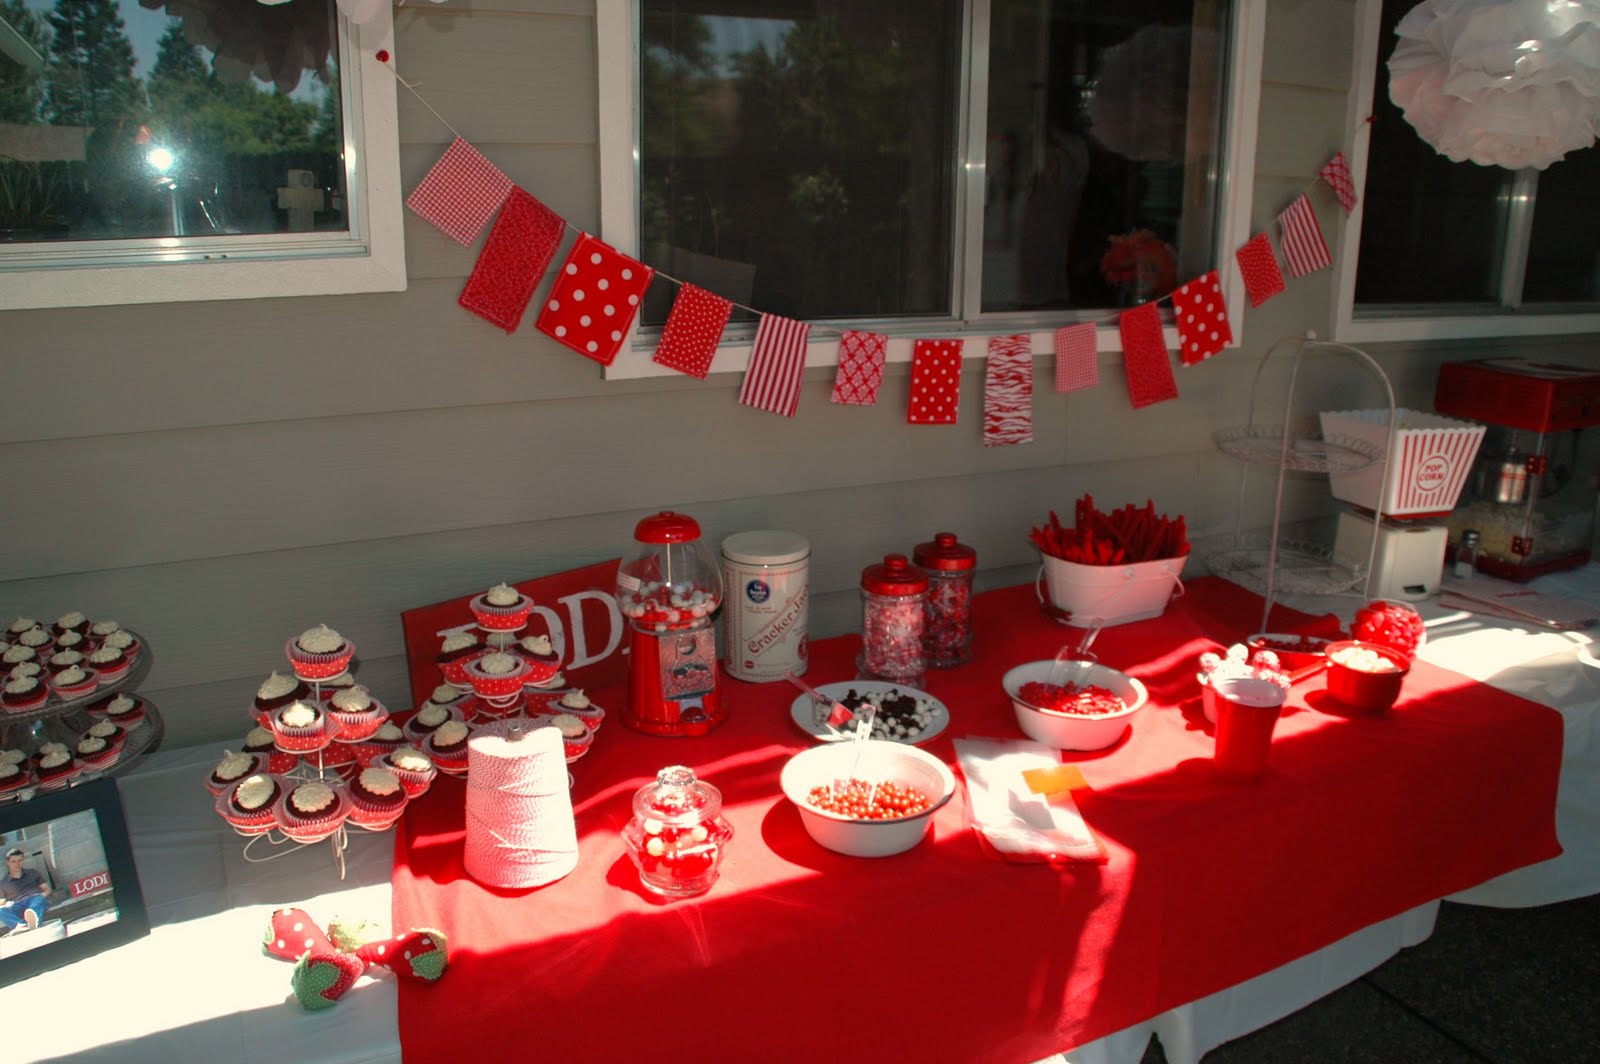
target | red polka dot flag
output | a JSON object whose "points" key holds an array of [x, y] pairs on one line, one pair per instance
{"points": [[1203, 328], [693, 330], [513, 260], [594, 300], [935, 382], [1259, 267]]}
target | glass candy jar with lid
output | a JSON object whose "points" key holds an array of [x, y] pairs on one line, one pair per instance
{"points": [[950, 566], [894, 602], [677, 833]]}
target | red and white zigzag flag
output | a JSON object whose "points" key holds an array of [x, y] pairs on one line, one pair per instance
{"points": [[777, 362], [1303, 247], [1008, 391], [1336, 172]]}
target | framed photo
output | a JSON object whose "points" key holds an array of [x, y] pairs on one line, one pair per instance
{"points": [[69, 888]]}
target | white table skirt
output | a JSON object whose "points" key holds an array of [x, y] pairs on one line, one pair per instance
{"points": [[199, 987]]}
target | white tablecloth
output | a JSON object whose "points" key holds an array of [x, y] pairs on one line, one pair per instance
{"points": [[199, 987]]}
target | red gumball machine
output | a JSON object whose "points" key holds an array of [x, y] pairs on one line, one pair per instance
{"points": [[668, 589]]}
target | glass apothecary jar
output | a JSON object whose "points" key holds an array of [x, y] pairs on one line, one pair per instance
{"points": [[950, 566], [677, 833], [894, 603]]}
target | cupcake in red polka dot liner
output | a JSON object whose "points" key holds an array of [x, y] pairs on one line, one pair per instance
{"points": [[413, 768], [502, 608], [97, 754], [74, 682], [260, 741], [447, 747], [576, 736], [15, 655], [275, 692], [319, 653], [233, 768], [300, 728], [248, 805], [312, 811], [337, 757], [376, 799], [538, 697], [36, 639], [498, 677], [576, 704], [387, 738], [62, 660], [326, 689], [458, 699], [123, 640], [72, 621], [454, 653], [427, 719], [354, 714], [540, 654]]}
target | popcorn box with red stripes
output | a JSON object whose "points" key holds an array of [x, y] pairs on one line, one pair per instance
{"points": [[1428, 466]]}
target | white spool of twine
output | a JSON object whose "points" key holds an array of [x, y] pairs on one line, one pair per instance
{"points": [[520, 830]]}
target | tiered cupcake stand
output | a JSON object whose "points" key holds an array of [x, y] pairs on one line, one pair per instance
{"points": [[65, 720]]}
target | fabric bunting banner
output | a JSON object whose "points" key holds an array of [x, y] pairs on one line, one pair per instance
{"points": [[935, 382], [1304, 250], [1008, 391], [860, 372], [693, 330], [594, 300], [1336, 172], [461, 192], [1077, 364], [1145, 357], [1202, 317], [1259, 267], [513, 260], [777, 362]]}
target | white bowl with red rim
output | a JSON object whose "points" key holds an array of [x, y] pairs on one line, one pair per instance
{"points": [[823, 766], [1074, 731]]}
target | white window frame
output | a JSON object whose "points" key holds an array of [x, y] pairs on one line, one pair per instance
{"points": [[1444, 321], [617, 37], [369, 257]]}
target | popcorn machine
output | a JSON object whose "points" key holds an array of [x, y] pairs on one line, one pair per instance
{"points": [[1531, 498], [668, 589]]}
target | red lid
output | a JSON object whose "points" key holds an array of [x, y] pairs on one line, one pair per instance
{"points": [[946, 554], [667, 527], [896, 576]]}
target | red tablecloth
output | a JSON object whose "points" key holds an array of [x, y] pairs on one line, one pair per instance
{"points": [[941, 953]]}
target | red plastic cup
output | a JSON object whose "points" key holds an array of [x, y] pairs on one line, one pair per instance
{"points": [[1247, 711]]}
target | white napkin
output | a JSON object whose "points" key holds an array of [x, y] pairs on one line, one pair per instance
{"points": [[1019, 824]]}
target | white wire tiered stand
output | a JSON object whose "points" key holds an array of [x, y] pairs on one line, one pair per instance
{"points": [[1297, 566], [278, 843], [64, 719]]}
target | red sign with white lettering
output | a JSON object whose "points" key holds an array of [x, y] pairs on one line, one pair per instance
{"points": [[577, 609], [90, 885]]}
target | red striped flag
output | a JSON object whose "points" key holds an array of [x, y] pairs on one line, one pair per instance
{"points": [[1303, 247], [777, 362], [1008, 391]]}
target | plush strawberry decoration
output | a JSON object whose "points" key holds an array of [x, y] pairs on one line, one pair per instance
{"points": [[321, 977], [350, 935], [1391, 624], [292, 934], [419, 954]]}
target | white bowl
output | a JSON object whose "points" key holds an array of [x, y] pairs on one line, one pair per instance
{"points": [[1064, 730], [897, 762]]}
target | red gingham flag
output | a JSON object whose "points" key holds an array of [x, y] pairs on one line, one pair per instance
{"points": [[693, 330], [461, 192], [1077, 366], [1259, 268], [1303, 248], [1202, 319], [1008, 391], [777, 362], [513, 260], [1336, 172], [860, 368]]}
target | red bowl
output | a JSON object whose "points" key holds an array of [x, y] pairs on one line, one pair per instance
{"points": [[1364, 689], [1294, 651]]}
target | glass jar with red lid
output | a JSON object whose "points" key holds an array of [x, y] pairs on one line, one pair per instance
{"points": [[894, 603], [677, 834], [950, 566]]}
